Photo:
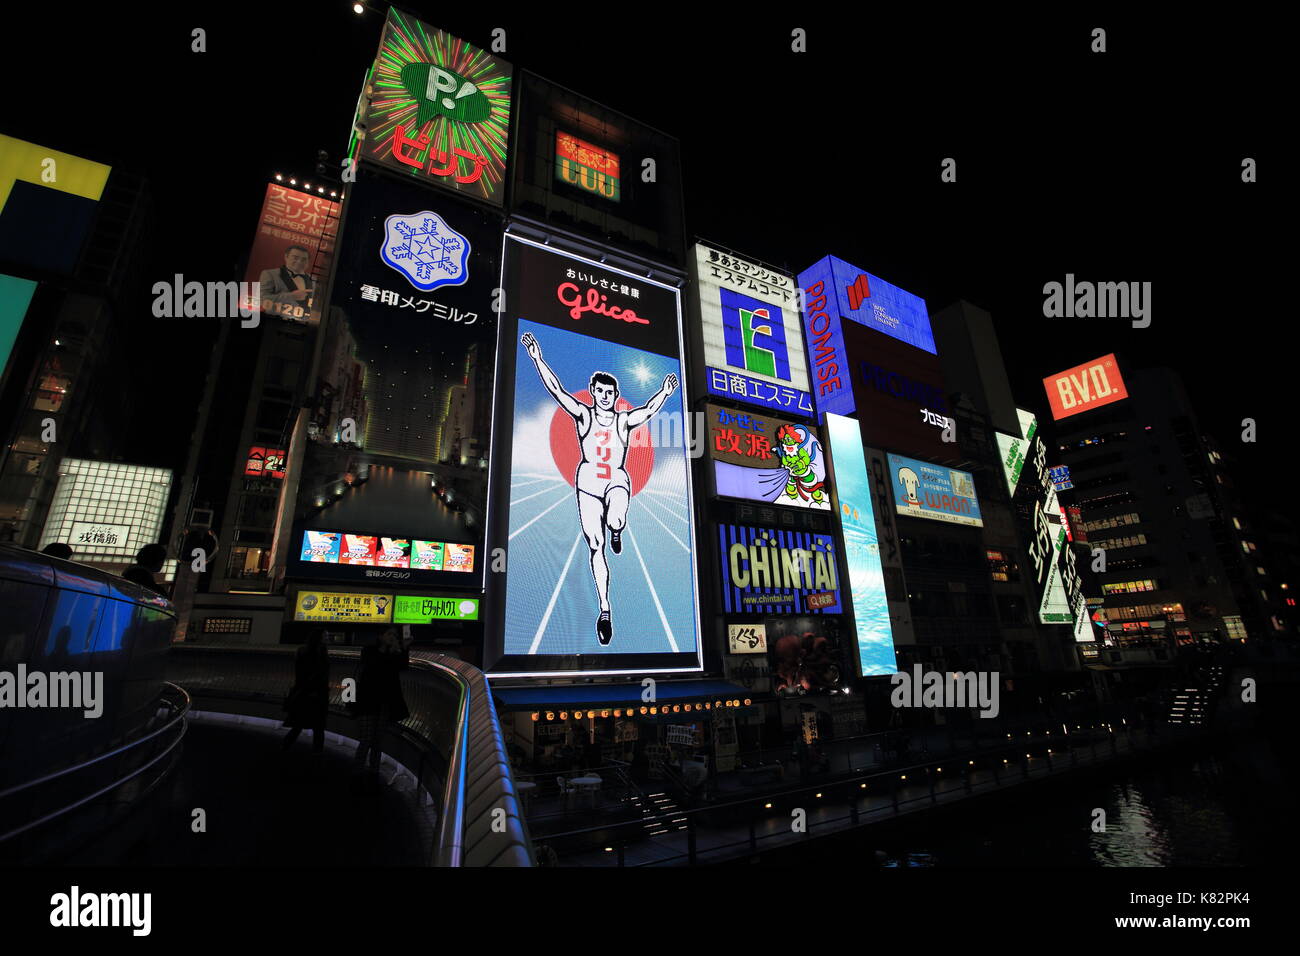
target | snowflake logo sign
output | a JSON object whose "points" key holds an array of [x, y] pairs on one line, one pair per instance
{"points": [[425, 249]]}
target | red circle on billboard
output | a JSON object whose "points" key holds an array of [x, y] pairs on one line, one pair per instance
{"points": [[567, 453]]}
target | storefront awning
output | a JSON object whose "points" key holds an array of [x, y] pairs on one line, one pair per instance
{"points": [[615, 695]]}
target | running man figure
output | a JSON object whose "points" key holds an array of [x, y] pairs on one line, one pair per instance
{"points": [[604, 487]]}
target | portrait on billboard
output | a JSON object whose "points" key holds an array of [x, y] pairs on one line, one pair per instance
{"points": [[296, 231], [599, 514]]}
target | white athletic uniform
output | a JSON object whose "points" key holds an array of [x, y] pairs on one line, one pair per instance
{"points": [[604, 452]]}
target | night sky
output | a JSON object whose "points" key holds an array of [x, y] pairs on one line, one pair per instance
{"points": [[1122, 166]]}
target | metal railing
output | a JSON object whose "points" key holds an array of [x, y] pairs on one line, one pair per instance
{"points": [[66, 788], [754, 822], [450, 742]]}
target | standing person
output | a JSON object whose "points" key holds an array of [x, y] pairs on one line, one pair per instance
{"points": [[379, 693], [148, 562], [603, 484], [308, 702]]}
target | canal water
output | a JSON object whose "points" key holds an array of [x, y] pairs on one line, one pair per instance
{"points": [[1229, 804]]}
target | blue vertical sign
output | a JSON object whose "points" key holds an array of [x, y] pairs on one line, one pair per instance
{"points": [[866, 575]]}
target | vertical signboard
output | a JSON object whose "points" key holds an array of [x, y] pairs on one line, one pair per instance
{"points": [[1011, 448], [396, 450], [753, 349], [598, 523], [439, 109], [296, 229], [875, 638], [891, 553]]}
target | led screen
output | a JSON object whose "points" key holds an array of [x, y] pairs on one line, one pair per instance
{"points": [[923, 490], [597, 526], [875, 638], [760, 457]]}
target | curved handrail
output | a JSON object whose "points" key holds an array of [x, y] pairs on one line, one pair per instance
{"points": [[464, 739], [181, 710]]}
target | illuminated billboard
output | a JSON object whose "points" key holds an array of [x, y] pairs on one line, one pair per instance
{"points": [[586, 165], [753, 348], [296, 231], [598, 524], [397, 437], [875, 636], [427, 609], [439, 109], [1060, 475], [768, 571], [15, 296], [107, 510], [1011, 448], [925, 490], [900, 395], [337, 607], [48, 202], [759, 457], [836, 292], [263, 462], [1085, 387]]}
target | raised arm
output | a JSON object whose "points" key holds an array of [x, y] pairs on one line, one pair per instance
{"points": [[639, 416], [551, 383]]}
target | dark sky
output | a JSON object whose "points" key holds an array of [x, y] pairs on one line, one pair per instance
{"points": [[1122, 166]]}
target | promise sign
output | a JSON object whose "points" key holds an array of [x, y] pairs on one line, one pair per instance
{"points": [[1085, 387]]}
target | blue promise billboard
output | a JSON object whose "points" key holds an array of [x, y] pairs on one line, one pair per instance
{"points": [[834, 292]]}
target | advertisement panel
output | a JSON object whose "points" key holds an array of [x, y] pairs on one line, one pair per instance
{"points": [[1085, 387], [875, 636], [439, 109], [768, 459], [397, 441], [767, 571], [296, 231], [425, 609], [900, 394], [805, 656], [343, 607], [263, 462], [836, 292], [586, 165], [1011, 448], [890, 553], [746, 639], [753, 347], [599, 519], [107, 510], [15, 296], [923, 490], [1060, 476]]}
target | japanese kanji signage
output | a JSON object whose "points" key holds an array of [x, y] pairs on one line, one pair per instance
{"points": [[759, 457], [348, 608], [925, 490], [586, 166], [85, 534], [295, 236], [753, 348], [746, 639], [439, 109], [426, 609]]}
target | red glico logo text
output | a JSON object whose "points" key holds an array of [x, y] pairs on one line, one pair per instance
{"points": [[569, 295]]}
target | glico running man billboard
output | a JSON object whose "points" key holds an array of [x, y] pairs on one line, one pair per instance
{"points": [[749, 317], [393, 486], [761, 457], [597, 527]]}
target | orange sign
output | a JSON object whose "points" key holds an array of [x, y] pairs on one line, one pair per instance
{"points": [[1085, 387]]}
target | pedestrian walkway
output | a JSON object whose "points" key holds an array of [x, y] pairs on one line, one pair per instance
{"points": [[265, 807]]}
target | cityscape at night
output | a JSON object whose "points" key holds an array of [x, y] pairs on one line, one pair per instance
{"points": [[840, 442]]}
